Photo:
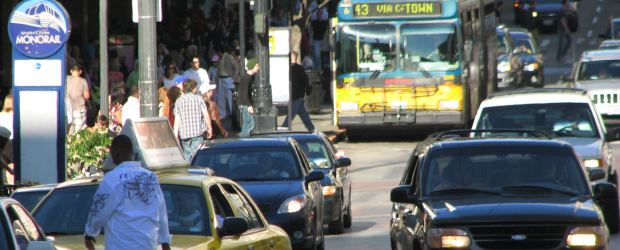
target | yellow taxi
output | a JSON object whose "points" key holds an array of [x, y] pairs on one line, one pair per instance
{"points": [[204, 212]]}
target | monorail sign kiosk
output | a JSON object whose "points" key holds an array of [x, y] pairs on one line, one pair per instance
{"points": [[38, 30], [154, 145]]}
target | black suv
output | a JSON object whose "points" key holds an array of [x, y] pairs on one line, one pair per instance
{"points": [[462, 191]]}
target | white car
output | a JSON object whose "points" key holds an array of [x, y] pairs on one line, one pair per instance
{"points": [[566, 114]]}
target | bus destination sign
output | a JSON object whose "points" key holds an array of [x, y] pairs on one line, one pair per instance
{"points": [[397, 9]]}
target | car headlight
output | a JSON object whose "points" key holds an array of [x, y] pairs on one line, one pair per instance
{"points": [[449, 104], [349, 106], [503, 66], [534, 14], [293, 204], [448, 238], [329, 190], [588, 236], [531, 67], [593, 163]]}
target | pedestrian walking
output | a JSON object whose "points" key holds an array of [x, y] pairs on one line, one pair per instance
{"points": [[228, 74], [564, 41], [116, 110], [300, 84], [129, 203], [131, 109], [192, 119], [197, 73], [244, 98], [530, 20], [318, 31], [78, 95], [208, 92]]}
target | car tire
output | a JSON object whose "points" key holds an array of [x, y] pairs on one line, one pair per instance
{"points": [[337, 226], [347, 217]]}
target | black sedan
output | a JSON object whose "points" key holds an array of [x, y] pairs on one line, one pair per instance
{"points": [[531, 58], [547, 15], [322, 155], [497, 192], [277, 175]]}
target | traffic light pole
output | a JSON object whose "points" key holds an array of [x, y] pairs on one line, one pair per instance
{"points": [[265, 113], [146, 55]]}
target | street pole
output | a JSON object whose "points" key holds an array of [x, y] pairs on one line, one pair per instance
{"points": [[242, 37], [265, 113], [146, 56], [103, 57]]}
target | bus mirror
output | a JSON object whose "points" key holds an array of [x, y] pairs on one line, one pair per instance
{"points": [[332, 42], [468, 51]]}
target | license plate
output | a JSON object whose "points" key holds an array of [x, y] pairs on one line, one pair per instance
{"points": [[548, 22]]}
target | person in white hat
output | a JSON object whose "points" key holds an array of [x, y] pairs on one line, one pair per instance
{"points": [[208, 93]]}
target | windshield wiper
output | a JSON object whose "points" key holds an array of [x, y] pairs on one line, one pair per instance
{"points": [[424, 72], [538, 188], [464, 190]]}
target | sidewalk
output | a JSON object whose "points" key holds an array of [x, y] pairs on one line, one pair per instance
{"points": [[322, 123]]}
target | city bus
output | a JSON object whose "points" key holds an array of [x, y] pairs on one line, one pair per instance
{"points": [[411, 65]]}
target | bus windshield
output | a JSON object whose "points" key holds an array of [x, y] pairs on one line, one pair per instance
{"points": [[432, 47], [367, 48]]}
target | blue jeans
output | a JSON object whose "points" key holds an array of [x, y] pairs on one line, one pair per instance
{"points": [[190, 146], [317, 56], [299, 108], [248, 121], [563, 43]]}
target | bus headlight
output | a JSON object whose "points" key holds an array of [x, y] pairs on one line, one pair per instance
{"points": [[349, 106], [449, 104], [588, 236], [448, 238], [531, 67], [503, 66], [593, 163]]}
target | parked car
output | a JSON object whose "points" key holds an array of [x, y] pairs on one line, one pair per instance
{"points": [[29, 197], [509, 67], [64, 213], [616, 32], [566, 114], [496, 192], [598, 72], [278, 176], [609, 45], [322, 155], [547, 15], [531, 58], [18, 231]]}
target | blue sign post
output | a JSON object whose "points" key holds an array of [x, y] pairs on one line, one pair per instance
{"points": [[38, 30]]}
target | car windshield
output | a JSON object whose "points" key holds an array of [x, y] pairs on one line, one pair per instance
{"points": [[317, 153], [502, 169], [66, 210], [29, 199], [613, 46], [558, 119], [599, 70], [526, 45], [503, 44], [431, 46], [367, 48], [251, 163]]}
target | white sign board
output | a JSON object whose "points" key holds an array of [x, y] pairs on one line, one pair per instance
{"points": [[279, 42], [36, 123], [279, 78], [38, 73]]}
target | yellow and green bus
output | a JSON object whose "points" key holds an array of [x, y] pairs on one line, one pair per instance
{"points": [[410, 65]]}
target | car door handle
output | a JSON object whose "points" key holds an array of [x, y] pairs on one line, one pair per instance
{"points": [[250, 247]]}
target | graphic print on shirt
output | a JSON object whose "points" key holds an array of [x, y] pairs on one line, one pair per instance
{"points": [[98, 204], [141, 187]]}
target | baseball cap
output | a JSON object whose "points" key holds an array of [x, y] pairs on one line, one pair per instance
{"points": [[181, 79], [5, 132], [251, 63], [204, 88], [215, 58]]}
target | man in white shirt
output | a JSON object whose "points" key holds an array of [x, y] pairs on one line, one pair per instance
{"points": [[573, 121], [131, 109], [130, 204], [196, 73]]}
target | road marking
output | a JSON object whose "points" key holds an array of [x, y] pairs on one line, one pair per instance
{"points": [[595, 20], [558, 71], [589, 34], [544, 43], [598, 9], [579, 41]]}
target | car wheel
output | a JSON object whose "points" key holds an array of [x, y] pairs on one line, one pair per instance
{"points": [[347, 217], [337, 227]]}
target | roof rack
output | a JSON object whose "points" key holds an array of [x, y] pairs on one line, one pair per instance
{"points": [[541, 90], [456, 133]]}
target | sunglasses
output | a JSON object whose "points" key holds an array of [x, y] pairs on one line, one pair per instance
{"points": [[195, 62]]}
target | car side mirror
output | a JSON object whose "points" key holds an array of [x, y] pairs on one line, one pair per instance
{"points": [[595, 174], [332, 42], [468, 49], [40, 245], [605, 191], [518, 51], [568, 78], [343, 162], [233, 226], [401, 194], [316, 175]]}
